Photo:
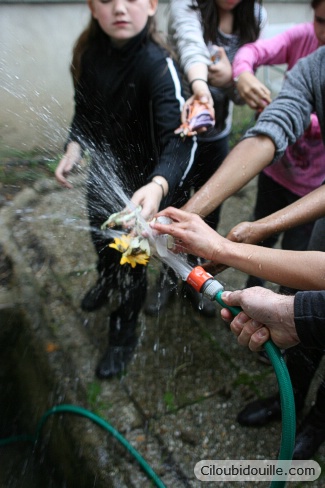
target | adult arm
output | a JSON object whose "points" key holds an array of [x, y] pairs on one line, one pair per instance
{"points": [[192, 235]]}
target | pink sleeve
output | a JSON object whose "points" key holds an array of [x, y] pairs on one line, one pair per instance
{"points": [[313, 131], [280, 49]]}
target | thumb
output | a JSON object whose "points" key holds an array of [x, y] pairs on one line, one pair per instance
{"points": [[226, 297], [204, 99], [222, 53]]}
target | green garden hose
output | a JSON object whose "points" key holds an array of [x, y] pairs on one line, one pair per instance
{"points": [[97, 420], [286, 397]]}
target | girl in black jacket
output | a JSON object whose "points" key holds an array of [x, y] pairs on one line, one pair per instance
{"points": [[128, 101]]}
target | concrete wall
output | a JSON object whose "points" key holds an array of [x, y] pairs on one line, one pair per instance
{"points": [[35, 85]]}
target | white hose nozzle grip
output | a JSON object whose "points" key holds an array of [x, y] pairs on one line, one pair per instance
{"points": [[211, 288]]}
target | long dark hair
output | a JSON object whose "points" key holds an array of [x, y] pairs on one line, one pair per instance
{"points": [[314, 3], [94, 32], [246, 25]]}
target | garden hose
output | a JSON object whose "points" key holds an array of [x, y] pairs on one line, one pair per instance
{"points": [[97, 420]]}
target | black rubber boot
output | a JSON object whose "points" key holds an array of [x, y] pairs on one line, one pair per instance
{"points": [[122, 343], [161, 293], [261, 412], [97, 296]]}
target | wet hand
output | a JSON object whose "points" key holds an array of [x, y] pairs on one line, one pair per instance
{"points": [[265, 314], [248, 232], [149, 197], [190, 232]]}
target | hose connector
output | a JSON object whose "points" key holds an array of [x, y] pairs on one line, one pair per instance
{"points": [[204, 283]]}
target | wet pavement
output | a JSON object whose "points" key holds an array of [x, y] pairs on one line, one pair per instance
{"points": [[178, 400]]}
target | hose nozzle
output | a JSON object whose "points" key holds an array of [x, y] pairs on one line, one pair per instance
{"points": [[204, 283]]}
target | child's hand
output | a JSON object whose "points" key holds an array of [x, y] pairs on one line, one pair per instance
{"points": [[149, 197], [220, 73], [255, 94], [71, 157], [202, 95], [249, 232]]}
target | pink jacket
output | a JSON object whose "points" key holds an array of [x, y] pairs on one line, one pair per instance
{"points": [[302, 168]]}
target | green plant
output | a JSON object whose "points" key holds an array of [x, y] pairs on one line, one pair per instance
{"points": [[169, 400], [243, 119]]}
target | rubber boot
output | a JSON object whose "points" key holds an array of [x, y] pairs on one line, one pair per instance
{"points": [[122, 341], [260, 412]]}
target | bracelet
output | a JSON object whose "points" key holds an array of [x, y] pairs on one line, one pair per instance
{"points": [[196, 79], [161, 186]]}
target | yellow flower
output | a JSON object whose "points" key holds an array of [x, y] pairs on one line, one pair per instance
{"points": [[130, 254], [121, 244], [135, 259]]}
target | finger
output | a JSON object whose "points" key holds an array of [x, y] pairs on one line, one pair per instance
{"points": [[250, 327], [239, 322], [173, 213], [226, 315], [222, 52], [258, 339], [231, 297]]}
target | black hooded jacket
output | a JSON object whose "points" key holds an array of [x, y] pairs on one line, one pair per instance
{"points": [[127, 104]]}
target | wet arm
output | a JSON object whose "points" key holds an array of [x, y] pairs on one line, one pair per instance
{"points": [[307, 209], [244, 162], [295, 269]]}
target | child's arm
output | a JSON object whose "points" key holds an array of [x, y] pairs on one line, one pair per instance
{"points": [[186, 38], [192, 235], [285, 48], [307, 209]]}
